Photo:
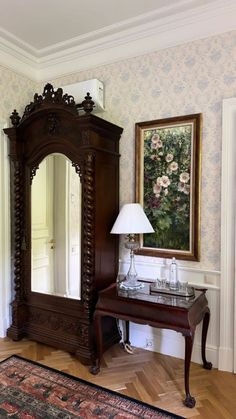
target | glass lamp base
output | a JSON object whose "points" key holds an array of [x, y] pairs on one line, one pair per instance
{"points": [[131, 284]]}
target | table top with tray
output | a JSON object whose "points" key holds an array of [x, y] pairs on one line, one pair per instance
{"points": [[153, 292]]}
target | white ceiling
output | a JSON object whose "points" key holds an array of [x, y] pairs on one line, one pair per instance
{"points": [[38, 37], [41, 24]]}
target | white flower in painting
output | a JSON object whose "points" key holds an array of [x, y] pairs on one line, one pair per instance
{"points": [[169, 157], [156, 141], [166, 191], [165, 181], [184, 177], [181, 186], [160, 154], [159, 180], [173, 166]]}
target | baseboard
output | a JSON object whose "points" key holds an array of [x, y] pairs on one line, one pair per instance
{"points": [[226, 356], [3, 327], [168, 342]]}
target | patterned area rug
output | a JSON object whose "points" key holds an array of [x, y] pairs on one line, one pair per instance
{"points": [[29, 390]]}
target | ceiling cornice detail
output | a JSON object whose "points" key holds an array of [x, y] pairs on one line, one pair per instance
{"points": [[138, 36], [17, 59]]}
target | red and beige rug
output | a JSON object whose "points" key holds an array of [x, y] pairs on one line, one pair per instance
{"points": [[29, 390]]}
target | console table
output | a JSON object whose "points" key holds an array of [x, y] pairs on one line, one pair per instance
{"points": [[158, 310]]}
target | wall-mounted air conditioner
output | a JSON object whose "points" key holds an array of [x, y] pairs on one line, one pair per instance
{"points": [[80, 89]]}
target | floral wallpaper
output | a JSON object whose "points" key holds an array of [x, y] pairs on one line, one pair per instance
{"points": [[16, 92], [191, 78]]}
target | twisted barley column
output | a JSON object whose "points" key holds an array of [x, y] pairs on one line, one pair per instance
{"points": [[18, 211], [88, 228]]}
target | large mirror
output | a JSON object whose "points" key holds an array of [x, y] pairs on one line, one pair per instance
{"points": [[56, 228]]}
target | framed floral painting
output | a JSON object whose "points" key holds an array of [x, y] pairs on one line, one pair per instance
{"points": [[168, 158]]}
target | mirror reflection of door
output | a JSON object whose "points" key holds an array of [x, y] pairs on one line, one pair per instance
{"points": [[56, 228]]}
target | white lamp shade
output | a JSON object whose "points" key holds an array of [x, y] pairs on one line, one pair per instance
{"points": [[132, 220]]}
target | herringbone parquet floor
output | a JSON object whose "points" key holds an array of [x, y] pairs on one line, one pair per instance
{"points": [[150, 377]]}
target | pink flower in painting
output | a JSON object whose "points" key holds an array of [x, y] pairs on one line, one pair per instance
{"points": [[165, 181], [157, 189], [156, 141]]}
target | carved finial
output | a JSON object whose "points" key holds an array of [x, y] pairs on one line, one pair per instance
{"points": [[88, 103], [48, 92], [15, 118]]}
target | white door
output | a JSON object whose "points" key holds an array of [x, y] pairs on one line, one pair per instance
{"points": [[74, 233], [67, 228], [42, 228], [60, 198]]}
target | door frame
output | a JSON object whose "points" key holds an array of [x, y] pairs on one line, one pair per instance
{"points": [[227, 344], [5, 253]]}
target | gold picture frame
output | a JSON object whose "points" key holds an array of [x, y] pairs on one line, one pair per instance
{"points": [[168, 166]]}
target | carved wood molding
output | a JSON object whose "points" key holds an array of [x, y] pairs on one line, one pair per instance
{"points": [[52, 124], [78, 168], [88, 286], [58, 322], [48, 97], [33, 173]]}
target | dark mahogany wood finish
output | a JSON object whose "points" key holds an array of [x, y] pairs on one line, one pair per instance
{"points": [[51, 124], [145, 307]]}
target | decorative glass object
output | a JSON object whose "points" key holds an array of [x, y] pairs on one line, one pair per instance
{"points": [[131, 221]]}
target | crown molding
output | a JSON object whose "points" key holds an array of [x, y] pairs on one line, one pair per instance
{"points": [[159, 34], [17, 59], [167, 27]]}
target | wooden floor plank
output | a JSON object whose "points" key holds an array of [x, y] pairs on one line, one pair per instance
{"points": [[153, 378]]}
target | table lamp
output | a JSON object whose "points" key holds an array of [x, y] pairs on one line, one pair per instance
{"points": [[131, 220]]}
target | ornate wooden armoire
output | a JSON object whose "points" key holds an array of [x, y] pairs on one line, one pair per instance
{"points": [[52, 125]]}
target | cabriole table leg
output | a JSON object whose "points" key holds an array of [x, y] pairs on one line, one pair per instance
{"points": [[189, 400], [207, 365]]}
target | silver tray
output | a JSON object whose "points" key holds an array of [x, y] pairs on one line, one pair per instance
{"points": [[189, 292]]}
